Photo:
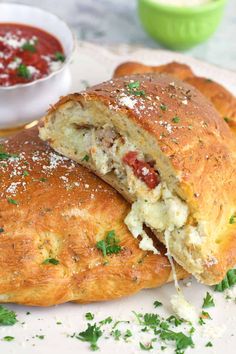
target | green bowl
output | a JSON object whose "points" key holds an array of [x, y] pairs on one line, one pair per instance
{"points": [[180, 27]]}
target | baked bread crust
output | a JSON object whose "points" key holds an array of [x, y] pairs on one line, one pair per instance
{"points": [[222, 99], [197, 156], [62, 211], [175, 69]]}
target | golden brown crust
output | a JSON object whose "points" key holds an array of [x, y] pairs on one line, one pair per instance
{"points": [[200, 147], [222, 99], [177, 70], [62, 211]]}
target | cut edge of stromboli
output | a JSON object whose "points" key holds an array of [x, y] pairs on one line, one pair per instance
{"points": [[80, 113], [71, 151]]}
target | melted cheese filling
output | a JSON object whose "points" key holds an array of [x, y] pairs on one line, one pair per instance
{"points": [[183, 308], [158, 208]]}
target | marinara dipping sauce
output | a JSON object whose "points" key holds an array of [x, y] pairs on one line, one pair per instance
{"points": [[27, 54]]}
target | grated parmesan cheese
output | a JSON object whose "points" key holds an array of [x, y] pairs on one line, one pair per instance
{"points": [[127, 101]]}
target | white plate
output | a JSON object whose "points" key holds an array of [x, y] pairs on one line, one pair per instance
{"points": [[92, 64]]}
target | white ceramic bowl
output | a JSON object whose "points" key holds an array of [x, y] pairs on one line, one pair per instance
{"points": [[23, 103]]}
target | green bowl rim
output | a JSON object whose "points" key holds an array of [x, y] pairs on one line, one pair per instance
{"points": [[185, 9]]}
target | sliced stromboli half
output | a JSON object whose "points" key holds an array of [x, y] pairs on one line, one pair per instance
{"points": [[164, 147]]}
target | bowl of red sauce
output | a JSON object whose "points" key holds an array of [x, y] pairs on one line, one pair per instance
{"points": [[35, 51]]}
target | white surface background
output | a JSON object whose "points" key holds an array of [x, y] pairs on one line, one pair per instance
{"points": [[116, 21]]}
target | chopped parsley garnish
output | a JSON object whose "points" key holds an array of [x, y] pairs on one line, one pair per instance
{"points": [[201, 322], [148, 322], [116, 334], [139, 317], [146, 346], [157, 303], [232, 219], [145, 329], [151, 319], [89, 316], [12, 201], [29, 47], [164, 325], [209, 344], [91, 335], [208, 301], [40, 336], [7, 317], [1, 229], [175, 320], [41, 179], [182, 341], [110, 245], [163, 107], [128, 334], [60, 57], [133, 89], [134, 85], [25, 173], [8, 338], [176, 119], [106, 321], [228, 281], [118, 322], [226, 119], [23, 71], [28, 313], [6, 155], [192, 330], [51, 261], [205, 315], [85, 158]]}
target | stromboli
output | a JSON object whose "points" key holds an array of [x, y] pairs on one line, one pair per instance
{"points": [[53, 208], [175, 130]]}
